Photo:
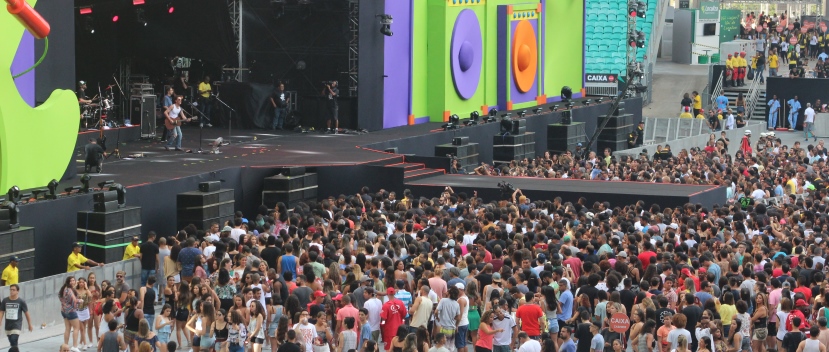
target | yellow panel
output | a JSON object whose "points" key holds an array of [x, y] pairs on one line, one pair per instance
{"points": [[465, 2]]}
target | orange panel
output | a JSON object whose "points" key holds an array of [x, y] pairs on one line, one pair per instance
{"points": [[524, 56], [538, 8], [509, 9], [509, 105], [541, 99], [411, 120], [484, 109], [446, 116]]}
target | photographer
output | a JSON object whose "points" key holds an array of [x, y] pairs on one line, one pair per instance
{"points": [[332, 92]]}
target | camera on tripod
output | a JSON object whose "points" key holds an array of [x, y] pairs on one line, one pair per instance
{"points": [[507, 189]]}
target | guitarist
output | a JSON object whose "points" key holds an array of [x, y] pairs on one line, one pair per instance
{"points": [[205, 90], [173, 117]]}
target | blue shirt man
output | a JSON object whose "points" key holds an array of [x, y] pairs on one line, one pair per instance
{"points": [[823, 56], [722, 102], [794, 105], [713, 268], [566, 300]]}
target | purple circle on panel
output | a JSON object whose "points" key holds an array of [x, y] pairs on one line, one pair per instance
{"points": [[466, 53]]}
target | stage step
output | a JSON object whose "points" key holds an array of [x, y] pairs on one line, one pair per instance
{"points": [[407, 166], [413, 175], [385, 160]]}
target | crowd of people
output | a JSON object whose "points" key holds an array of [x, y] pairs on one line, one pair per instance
{"points": [[376, 271]]}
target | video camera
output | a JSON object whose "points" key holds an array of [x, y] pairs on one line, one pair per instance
{"points": [[506, 189]]}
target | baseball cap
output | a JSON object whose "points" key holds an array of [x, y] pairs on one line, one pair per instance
{"points": [[14, 258], [390, 291], [76, 244], [81, 83], [319, 294], [496, 277], [364, 278], [460, 286], [579, 144], [135, 238], [451, 243], [622, 254], [338, 297], [227, 229], [801, 302], [541, 257]]}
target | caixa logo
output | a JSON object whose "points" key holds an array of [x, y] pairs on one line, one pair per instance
{"points": [[600, 78]]}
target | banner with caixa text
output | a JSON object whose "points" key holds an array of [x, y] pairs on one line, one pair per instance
{"points": [[709, 11]]}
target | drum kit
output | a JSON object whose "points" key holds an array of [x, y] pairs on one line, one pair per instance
{"points": [[101, 112]]}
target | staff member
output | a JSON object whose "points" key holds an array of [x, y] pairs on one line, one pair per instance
{"points": [[77, 261], [697, 103], [11, 274], [205, 90]]}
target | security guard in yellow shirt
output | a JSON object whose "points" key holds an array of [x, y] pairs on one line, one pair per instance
{"points": [[729, 71], [773, 63], [701, 115], [133, 250], [741, 67], [11, 274], [686, 113], [205, 90], [793, 56], [77, 261]]}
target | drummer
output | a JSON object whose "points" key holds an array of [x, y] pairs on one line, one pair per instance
{"points": [[82, 98]]}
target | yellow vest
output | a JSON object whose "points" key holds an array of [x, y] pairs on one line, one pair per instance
{"points": [[728, 64]]}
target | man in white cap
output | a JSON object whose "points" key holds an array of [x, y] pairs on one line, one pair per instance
{"points": [[463, 325]]}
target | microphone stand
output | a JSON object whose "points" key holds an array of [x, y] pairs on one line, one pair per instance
{"points": [[201, 126], [230, 119], [122, 99]]}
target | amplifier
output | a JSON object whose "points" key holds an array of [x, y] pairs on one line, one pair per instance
{"points": [[464, 140]]}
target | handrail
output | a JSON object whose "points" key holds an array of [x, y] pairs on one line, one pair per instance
{"points": [[753, 95], [715, 92]]}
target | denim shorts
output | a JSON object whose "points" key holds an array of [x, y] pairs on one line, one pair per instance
{"points": [[460, 336], [553, 325], [69, 316]]}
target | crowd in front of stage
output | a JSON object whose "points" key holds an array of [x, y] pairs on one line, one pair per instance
{"points": [[404, 273]]}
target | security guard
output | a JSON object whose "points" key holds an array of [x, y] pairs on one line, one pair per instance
{"points": [[729, 71], [701, 115], [640, 133], [632, 138], [743, 68], [793, 57]]}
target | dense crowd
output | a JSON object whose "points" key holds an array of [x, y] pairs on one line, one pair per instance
{"points": [[405, 273]]}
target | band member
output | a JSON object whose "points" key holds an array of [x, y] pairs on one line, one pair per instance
{"points": [[94, 154], [166, 102], [279, 100], [205, 90], [81, 93], [173, 117], [332, 93]]}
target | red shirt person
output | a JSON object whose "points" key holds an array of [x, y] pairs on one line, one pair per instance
{"points": [[529, 318], [392, 316]]}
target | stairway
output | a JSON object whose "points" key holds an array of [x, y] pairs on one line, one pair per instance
{"points": [[759, 112], [416, 171]]}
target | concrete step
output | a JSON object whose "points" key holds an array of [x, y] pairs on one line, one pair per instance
{"points": [[413, 175]]}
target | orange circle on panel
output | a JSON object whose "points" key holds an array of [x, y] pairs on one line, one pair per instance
{"points": [[524, 56]]}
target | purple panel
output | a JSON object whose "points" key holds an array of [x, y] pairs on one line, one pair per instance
{"points": [[397, 65], [466, 53], [515, 95], [23, 59]]}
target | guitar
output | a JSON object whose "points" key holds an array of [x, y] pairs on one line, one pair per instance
{"points": [[178, 121]]}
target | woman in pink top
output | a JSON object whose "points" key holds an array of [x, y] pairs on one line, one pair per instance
{"points": [[486, 333]]}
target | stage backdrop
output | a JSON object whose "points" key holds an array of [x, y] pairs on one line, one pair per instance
{"points": [[480, 54]]}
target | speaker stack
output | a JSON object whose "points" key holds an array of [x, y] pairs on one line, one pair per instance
{"points": [[292, 186], [615, 133], [460, 148], [204, 207], [106, 233], [513, 146], [19, 242], [561, 138]]}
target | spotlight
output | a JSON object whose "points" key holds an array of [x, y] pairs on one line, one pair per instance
{"points": [[85, 183], [632, 38], [599, 100], [566, 93], [553, 107], [14, 219], [53, 189], [122, 194], [386, 20], [103, 184], [170, 8], [640, 39], [506, 125], [85, 10], [114, 18], [13, 195], [566, 117], [537, 110], [455, 119], [569, 104], [522, 113], [493, 112], [632, 6], [586, 102], [640, 9], [474, 117]]}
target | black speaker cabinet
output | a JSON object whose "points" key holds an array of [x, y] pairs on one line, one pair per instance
{"points": [[142, 111], [26, 264], [519, 126], [293, 171], [463, 140], [561, 138], [289, 189], [107, 233], [204, 208], [286, 183], [16, 240], [104, 207], [200, 199], [210, 186]]}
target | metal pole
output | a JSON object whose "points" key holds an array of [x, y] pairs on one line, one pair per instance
{"points": [[239, 75]]}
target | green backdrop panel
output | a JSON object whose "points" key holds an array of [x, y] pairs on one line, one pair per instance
{"points": [[564, 46], [36, 144], [729, 25]]}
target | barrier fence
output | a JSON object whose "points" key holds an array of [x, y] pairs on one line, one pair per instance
{"points": [[685, 134]]}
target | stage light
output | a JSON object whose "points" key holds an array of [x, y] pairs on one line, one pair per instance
{"points": [[640, 39], [85, 183], [385, 21], [103, 184], [115, 18], [14, 219], [13, 195], [537, 110], [599, 100], [585, 102], [138, 2], [553, 107], [569, 104], [455, 119], [122, 194], [89, 25], [53, 189], [632, 6], [632, 39], [522, 113], [566, 93], [506, 124], [170, 8], [85, 10], [640, 9], [473, 119]]}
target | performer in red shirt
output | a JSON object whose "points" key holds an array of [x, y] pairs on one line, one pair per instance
{"points": [[391, 317]]}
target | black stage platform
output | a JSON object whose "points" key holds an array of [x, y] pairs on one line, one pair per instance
{"points": [[344, 163]]}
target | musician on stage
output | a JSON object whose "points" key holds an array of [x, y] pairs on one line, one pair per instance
{"points": [[205, 90], [165, 103], [173, 117], [81, 92], [331, 92], [93, 156]]}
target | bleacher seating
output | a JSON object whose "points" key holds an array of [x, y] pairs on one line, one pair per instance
{"points": [[606, 35]]}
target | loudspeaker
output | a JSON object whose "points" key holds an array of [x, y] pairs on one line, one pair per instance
{"points": [[517, 126], [460, 140], [4, 214], [391, 150], [293, 171], [142, 111], [210, 186], [200, 199], [108, 196], [105, 207]]}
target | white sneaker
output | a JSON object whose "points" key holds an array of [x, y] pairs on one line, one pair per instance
{"points": [[74, 349], [209, 125]]}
